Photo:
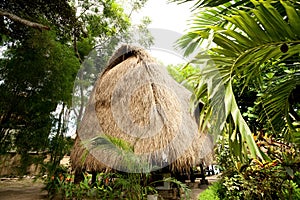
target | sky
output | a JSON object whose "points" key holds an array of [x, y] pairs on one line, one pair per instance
{"points": [[169, 22], [165, 15]]}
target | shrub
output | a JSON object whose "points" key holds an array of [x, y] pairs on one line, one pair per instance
{"points": [[278, 178], [108, 186], [212, 192]]}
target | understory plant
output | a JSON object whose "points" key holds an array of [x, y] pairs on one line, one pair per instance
{"points": [[212, 192], [63, 187], [133, 186], [278, 178]]}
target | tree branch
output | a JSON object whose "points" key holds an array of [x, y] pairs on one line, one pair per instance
{"points": [[23, 21]]}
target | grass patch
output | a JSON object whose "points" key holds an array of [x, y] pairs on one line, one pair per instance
{"points": [[211, 193]]}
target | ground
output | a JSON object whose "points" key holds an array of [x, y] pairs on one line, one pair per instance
{"points": [[26, 189], [196, 190]]}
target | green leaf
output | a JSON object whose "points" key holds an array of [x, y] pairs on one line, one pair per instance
{"points": [[241, 39], [293, 16], [290, 171], [249, 43], [227, 44]]}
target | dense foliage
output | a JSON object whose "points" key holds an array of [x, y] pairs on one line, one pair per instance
{"points": [[108, 185], [17, 18], [275, 179], [31, 90], [243, 61], [249, 84]]}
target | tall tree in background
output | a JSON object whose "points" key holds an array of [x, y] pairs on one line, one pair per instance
{"points": [[37, 71], [36, 76]]}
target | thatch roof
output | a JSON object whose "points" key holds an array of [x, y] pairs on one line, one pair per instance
{"points": [[135, 100]]}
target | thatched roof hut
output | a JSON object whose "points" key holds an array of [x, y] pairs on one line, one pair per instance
{"points": [[138, 119]]}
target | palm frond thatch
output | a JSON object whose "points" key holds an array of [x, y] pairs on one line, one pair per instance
{"points": [[136, 101]]}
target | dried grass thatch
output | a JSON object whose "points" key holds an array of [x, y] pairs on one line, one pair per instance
{"points": [[136, 101]]}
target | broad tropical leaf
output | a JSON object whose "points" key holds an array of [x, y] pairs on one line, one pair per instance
{"points": [[246, 39]]}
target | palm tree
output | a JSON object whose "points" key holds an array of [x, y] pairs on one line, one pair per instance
{"points": [[251, 41]]}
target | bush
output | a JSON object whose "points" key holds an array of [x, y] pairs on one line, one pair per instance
{"points": [[278, 178], [108, 186], [212, 192], [63, 187]]}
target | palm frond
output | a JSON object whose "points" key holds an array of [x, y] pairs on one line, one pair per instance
{"points": [[109, 142], [199, 30], [277, 106], [245, 40], [212, 3]]}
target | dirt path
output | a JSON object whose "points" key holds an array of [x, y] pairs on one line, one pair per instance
{"points": [[196, 191], [26, 189]]}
